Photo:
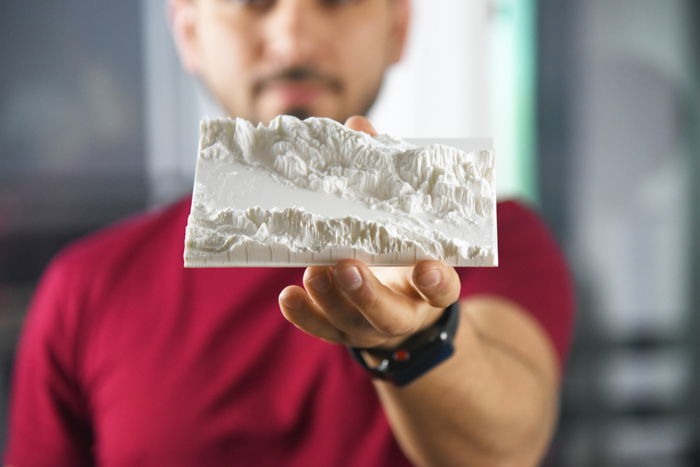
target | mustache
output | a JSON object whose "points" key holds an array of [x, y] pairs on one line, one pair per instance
{"points": [[297, 74]]}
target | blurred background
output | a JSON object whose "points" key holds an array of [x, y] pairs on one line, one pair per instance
{"points": [[594, 107]]}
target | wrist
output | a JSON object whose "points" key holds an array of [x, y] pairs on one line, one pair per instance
{"points": [[414, 356], [395, 342]]}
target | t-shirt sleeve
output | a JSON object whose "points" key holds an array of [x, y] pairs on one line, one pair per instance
{"points": [[532, 272], [48, 423]]}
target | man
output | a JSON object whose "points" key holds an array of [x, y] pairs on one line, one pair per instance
{"points": [[128, 359]]}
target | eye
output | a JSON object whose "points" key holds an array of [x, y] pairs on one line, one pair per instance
{"points": [[334, 3], [255, 4]]}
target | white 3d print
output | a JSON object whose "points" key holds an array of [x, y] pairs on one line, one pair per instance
{"points": [[313, 192]]}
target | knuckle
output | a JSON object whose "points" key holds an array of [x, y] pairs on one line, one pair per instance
{"points": [[398, 328], [445, 296], [344, 338], [454, 296], [367, 299], [357, 321], [350, 322], [451, 293], [365, 341]]}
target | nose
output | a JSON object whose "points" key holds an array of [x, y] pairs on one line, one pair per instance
{"points": [[292, 32]]}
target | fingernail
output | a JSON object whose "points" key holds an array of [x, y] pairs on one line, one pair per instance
{"points": [[430, 278], [320, 282], [349, 278], [292, 303]]}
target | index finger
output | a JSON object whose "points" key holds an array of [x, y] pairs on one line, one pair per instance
{"points": [[360, 123], [389, 312]]}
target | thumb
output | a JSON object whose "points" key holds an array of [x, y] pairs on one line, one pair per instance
{"points": [[437, 282], [359, 123]]}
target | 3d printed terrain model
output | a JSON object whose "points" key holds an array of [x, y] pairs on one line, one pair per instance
{"points": [[298, 193]]}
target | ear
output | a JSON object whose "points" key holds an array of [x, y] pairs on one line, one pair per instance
{"points": [[183, 22], [401, 19]]}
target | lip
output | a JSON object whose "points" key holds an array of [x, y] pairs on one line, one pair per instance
{"points": [[295, 93]]}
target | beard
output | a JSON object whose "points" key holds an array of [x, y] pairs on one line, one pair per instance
{"points": [[364, 102], [299, 112]]}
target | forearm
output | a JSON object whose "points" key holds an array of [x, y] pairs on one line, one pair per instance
{"points": [[483, 406], [486, 405]]}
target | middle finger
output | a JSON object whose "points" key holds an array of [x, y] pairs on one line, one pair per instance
{"points": [[339, 311]]}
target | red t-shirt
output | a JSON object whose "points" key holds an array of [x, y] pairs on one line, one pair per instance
{"points": [[128, 359]]}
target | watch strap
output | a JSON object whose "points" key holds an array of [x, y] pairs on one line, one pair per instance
{"points": [[415, 356]]}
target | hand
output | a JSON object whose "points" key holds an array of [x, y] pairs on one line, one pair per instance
{"points": [[358, 306]]}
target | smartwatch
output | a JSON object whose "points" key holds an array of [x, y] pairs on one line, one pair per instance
{"points": [[417, 355]]}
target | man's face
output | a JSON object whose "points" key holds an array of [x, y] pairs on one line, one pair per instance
{"points": [[262, 58]]}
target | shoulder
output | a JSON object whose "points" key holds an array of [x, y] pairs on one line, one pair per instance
{"points": [[513, 214], [524, 236], [129, 250], [75, 292], [91, 267], [144, 234], [532, 272]]}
